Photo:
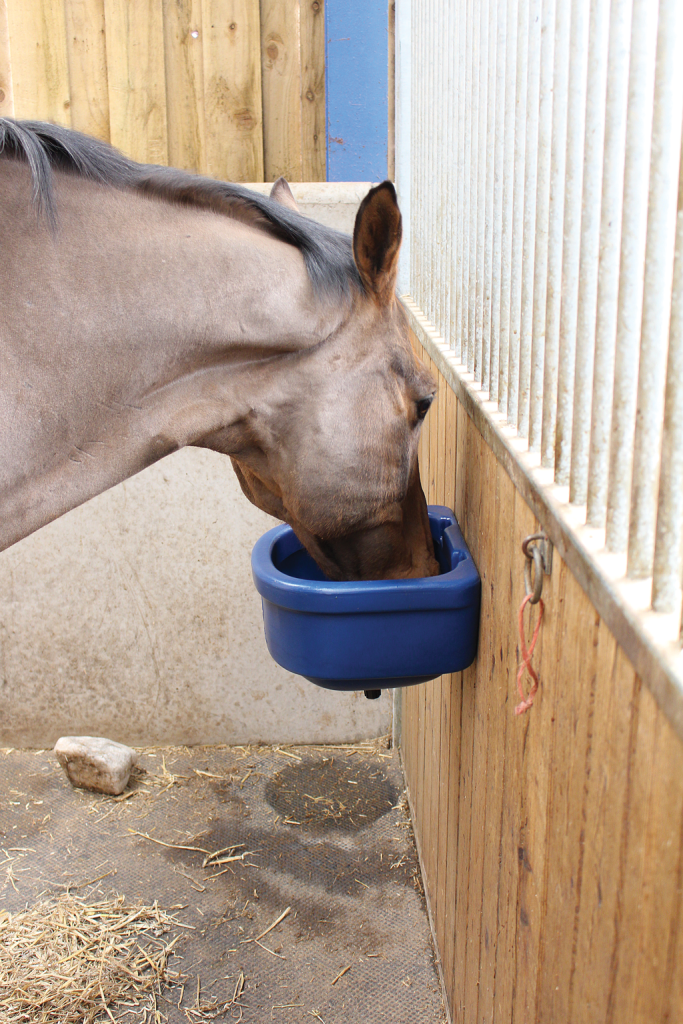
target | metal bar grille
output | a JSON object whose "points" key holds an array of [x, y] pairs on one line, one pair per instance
{"points": [[547, 243]]}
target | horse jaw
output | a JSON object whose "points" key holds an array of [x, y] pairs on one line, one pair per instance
{"points": [[399, 546]]}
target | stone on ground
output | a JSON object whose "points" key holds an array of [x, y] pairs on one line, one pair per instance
{"points": [[93, 762]]}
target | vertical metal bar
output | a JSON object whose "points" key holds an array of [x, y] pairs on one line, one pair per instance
{"points": [[508, 185], [666, 585], [555, 232], [608, 267], [473, 174], [445, 166], [518, 209], [423, 226], [488, 210], [659, 254], [594, 139], [452, 158], [467, 181], [576, 119], [460, 184], [416, 167], [530, 190], [545, 127], [403, 148], [497, 226], [435, 235], [482, 150], [630, 302]]}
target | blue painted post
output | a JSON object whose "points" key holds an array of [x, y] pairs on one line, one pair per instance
{"points": [[356, 86]]}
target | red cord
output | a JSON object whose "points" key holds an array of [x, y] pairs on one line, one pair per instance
{"points": [[526, 702]]}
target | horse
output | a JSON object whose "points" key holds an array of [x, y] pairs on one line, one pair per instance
{"points": [[144, 308]]}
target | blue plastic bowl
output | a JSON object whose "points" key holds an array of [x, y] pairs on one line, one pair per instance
{"points": [[373, 634]]}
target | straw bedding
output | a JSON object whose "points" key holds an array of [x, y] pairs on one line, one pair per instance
{"points": [[65, 961]]}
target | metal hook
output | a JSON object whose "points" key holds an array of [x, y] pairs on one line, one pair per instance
{"points": [[541, 554]]}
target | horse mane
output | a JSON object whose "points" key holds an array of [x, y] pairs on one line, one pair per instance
{"points": [[327, 253]]}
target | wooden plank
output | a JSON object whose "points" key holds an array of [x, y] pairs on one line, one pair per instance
{"points": [[432, 733], [184, 63], [494, 663], [674, 1006], [658, 910], [451, 441], [441, 411], [136, 79], [313, 129], [510, 592], [232, 89], [432, 425], [570, 735], [444, 727], [87, 59], [457, 987], [580, 832], [639, 765], [6, 89], [450, 755], [482, 513], [40, 74], [425, 702], [536, 837], [607, 786], [530, 731], [281, 85], [407, 732], [453, 880]]}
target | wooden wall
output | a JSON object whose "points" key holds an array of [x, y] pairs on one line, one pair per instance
{"points": [[551, 843], [230, 88]]}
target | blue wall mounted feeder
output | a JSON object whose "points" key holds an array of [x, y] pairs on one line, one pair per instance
{"points": [[373, 634]]}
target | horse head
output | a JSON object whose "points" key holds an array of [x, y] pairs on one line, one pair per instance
{"points": [[332, 450]]}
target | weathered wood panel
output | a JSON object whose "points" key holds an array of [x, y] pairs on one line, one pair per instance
{"points": [[232, 89], [281, 71], [6, 93], [552, 842], [87, 58], [40, 75], [136, 79], [184, 64], [313, 126], [185, 82]]}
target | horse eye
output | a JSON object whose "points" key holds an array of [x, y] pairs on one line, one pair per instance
{"points": [[422, 406]]}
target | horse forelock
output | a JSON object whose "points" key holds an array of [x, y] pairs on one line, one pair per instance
{"points": [[327, 253]]}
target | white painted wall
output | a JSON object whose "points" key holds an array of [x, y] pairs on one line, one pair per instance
{"points": [[135, 616]]}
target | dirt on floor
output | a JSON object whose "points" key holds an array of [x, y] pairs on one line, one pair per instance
{"points": [[290, 874]]}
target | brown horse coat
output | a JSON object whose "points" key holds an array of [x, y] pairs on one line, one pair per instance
{"points": [[143, 309]]}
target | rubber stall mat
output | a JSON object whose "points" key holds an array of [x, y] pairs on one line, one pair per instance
{"points": [[322, 831]]}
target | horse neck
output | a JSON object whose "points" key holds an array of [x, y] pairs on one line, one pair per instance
{"points": [[140, 327]]}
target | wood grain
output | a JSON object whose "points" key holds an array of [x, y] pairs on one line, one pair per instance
{"points": [[313, 128], [184, 65], [6, 88], [232, 89], [281, 83], [555, 871], [40, 74], [87, 58], [136, 79]]}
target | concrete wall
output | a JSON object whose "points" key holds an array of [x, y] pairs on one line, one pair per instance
{"points": [[135, 616]]}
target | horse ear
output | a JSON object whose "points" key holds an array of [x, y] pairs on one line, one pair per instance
{"points": [[377, 240], [282, 193]]}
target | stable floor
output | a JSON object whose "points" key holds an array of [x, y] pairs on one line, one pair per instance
{"points": [[322, 831]]}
